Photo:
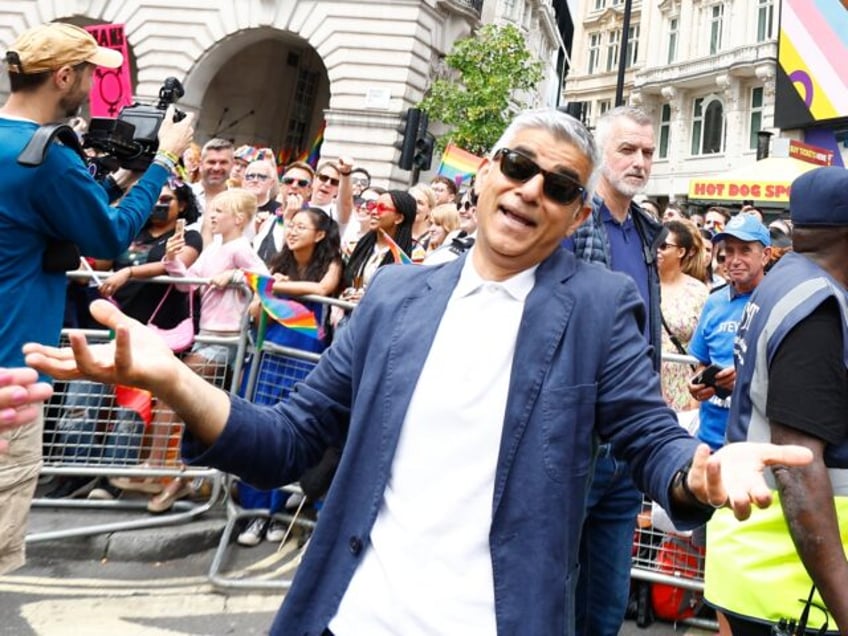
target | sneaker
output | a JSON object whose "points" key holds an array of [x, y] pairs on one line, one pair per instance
{"points": [[276, 531], [72, 488], [254, 532], [104, 491]]}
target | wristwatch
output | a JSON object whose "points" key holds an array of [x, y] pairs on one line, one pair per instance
{"points": [[679, 480]]}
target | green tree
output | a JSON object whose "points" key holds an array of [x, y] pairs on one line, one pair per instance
{"points": [[489, 73]]}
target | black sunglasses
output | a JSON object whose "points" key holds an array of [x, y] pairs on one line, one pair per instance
{"points": [[324, 178], [301, 182], [558, 187]]}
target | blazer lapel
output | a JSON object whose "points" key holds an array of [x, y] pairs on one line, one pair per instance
{"points": [[546, 313]]}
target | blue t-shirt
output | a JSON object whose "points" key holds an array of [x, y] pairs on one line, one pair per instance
{"points": [[55, 200], [712, 343]]}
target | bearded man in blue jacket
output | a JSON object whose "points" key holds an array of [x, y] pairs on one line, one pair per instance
{"points": [[469, 399]]}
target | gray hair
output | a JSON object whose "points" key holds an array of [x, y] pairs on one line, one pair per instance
{"points": [[216, 143], [562, 127], [605, 122]]}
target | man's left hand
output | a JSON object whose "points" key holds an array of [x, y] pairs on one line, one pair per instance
{"points": [[733, 475]]}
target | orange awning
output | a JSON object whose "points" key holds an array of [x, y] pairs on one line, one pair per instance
{"points": [[766, 181]]}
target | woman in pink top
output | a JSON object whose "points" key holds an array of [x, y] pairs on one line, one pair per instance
{"points": [[223, 302]]}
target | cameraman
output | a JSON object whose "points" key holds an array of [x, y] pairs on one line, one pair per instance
{"points": [[50, 73]]}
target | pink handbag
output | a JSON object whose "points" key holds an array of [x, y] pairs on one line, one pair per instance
{"points": [[178, 338]]}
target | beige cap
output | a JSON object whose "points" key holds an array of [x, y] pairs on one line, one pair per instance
{"points": [[48, 47]]}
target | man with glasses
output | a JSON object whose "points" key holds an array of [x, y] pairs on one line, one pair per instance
{"points": [[621, 236], [360, 180], [332, 191], [260, 178], [467, 455]]}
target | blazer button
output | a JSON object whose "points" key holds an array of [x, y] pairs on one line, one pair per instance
{"points": [[355, 545]]}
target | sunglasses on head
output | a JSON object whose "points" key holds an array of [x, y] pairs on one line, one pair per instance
{"points": [[301, 182], [324, 178], [560, 188]]}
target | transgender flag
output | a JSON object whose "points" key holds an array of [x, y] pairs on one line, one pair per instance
{"points": [[458, 164]]}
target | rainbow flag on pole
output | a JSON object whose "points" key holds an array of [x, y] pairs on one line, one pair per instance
{"points": [[399, 255], [287, 312], [458, 164]]}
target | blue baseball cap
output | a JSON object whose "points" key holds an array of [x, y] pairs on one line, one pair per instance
{"points": [[745, 227], [820, 197]]}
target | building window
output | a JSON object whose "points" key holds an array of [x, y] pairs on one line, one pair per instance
{"points": [[665, 130], [594, 53], [603, 106], [765, 19], [707, 126], [673, 25], [756, 115], [716, 13], [600, 4], [615, 3], [632, 46], [613, 41]]}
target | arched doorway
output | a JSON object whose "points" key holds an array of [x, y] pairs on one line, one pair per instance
{"points": [[265, 87]]}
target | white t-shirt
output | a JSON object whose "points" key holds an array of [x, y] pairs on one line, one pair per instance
{"points": [[427, 566]]}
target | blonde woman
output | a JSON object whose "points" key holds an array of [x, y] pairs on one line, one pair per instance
{"points": [[444, 219]]}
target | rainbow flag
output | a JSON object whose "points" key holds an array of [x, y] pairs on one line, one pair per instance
{"points": [[287, 312], [312, 155], [399, 255], [458, 164]]}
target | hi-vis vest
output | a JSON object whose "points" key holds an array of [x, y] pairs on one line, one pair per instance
{"points": [[752, 567]]}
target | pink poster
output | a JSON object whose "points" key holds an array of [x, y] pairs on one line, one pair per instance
{"points": [[111, 89]]}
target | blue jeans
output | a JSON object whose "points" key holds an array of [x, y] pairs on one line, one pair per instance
{"points": [[605, 548], [80, 440]]}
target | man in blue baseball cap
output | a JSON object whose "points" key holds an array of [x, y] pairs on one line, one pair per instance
{"points": [[747, 249], [791, 388]]}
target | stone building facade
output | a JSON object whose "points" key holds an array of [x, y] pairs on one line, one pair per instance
{"points": [[270, 71]]}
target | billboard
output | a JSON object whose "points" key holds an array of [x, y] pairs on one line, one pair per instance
{"points": [[812, 75]]}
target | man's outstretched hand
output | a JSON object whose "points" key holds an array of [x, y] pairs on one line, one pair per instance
{"points": [[733, 475], [136, 357]]}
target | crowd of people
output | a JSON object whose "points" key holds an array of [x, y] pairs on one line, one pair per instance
{"points": [[532, 475]]}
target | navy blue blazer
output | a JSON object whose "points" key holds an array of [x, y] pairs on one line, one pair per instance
{"points": [[582, 373]]}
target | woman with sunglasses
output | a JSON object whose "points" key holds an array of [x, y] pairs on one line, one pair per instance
{"points": [[681, 267], [309, 263], [392, 215]]}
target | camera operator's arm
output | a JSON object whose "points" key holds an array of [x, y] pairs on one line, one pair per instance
{"points": [[72, 206]]}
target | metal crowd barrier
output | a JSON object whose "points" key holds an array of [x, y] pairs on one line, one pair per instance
{"points": [[667, 557], [90, 432], [272, 367]]}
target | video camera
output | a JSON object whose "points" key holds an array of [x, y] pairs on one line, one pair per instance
{"points": [[130, 141]]}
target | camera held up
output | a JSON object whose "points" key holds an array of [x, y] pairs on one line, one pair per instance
{"points": [[130, 141]]}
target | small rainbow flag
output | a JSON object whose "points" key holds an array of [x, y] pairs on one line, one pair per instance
{"points": [[399, 255], [287, 312], [458, 164]]}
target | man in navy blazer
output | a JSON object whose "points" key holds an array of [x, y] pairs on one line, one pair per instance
{"points": [[461, 489]]}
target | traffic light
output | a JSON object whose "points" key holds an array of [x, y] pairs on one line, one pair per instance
{"points": [[424, 151], [407, 145]]}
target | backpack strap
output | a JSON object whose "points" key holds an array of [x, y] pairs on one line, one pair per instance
{"points": [[35, 151]]}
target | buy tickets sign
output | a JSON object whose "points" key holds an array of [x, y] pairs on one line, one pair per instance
{"points": [[735, 190]]}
